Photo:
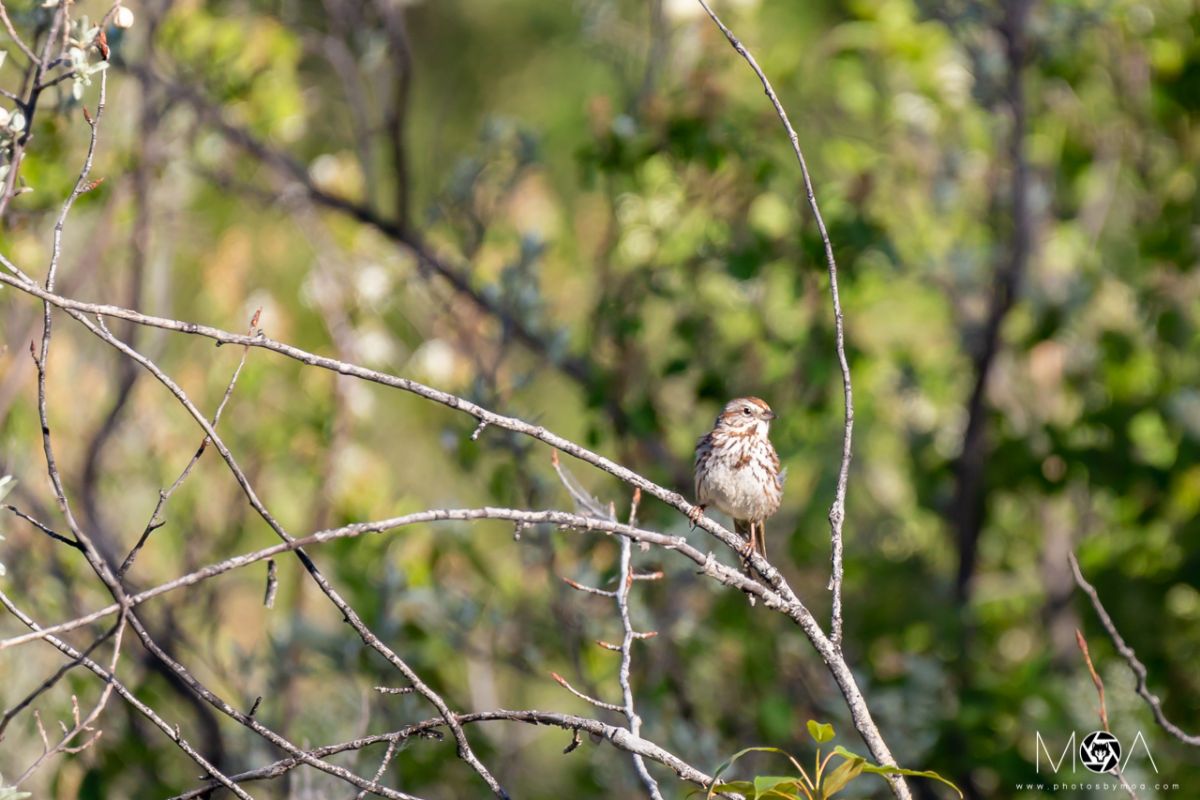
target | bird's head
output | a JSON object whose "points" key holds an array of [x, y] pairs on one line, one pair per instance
{"points": [[746, 416]]}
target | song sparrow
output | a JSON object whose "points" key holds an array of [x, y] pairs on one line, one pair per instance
{"points": [[737, 470]]}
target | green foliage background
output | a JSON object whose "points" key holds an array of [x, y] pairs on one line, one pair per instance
{"points": [[630, 199]]}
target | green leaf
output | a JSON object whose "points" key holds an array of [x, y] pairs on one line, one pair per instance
{"points": [[837, 780], [912, 773], [876, 769], [769, 785], [721, 769], [821, 732]]}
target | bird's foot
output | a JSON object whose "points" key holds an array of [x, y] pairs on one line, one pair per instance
{"points": [[695, 514]]}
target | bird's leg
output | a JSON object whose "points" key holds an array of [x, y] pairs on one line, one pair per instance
{"points": [[748, 548], [745, 548], [696, 513]]}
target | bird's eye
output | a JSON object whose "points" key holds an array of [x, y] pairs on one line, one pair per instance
{"points": [[746, 411]]}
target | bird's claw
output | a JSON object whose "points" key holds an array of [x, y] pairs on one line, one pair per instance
{"points": [[695, 514]]}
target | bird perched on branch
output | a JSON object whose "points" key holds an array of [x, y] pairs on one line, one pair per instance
{"points": [[737, 470]]}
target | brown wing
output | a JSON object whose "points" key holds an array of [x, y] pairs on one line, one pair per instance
{"points": [[775, 470], [703, 451]]}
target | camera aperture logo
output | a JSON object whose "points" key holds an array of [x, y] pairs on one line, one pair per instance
{"points": [[1100, 751]]}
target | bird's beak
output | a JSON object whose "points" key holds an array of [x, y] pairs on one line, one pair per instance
{"points": [[770, 415]]}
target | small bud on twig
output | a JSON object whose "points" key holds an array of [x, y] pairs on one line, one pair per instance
{"points": [[657, 575]]}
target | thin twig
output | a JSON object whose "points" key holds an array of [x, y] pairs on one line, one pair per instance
{"points": [[587, 698], [1087, 658], [1138, 668], [561, 519], [12, 33], [156, 521], [82, 725], [53, 534], [51, 681], [625, 583], [145, 710], [837, 512], [383, 765], [618, 736], [579, 587]]}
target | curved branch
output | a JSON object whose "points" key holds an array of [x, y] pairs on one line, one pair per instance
{"points": [[714, 569], [620, 738], [1135, 664], [837, 512]]}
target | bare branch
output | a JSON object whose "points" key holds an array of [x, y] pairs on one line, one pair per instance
{"points": [[172, 732], [84, 725], [566, 521], [837, 512], [1138, 668], [625, 583], [588, 589], [619, 737], [383, 765], [587, 698], [12, 33], [53, 534], [156, 521], [1087, 658]]}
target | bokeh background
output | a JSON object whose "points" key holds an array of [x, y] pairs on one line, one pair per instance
{"points": [[622, 243]]}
